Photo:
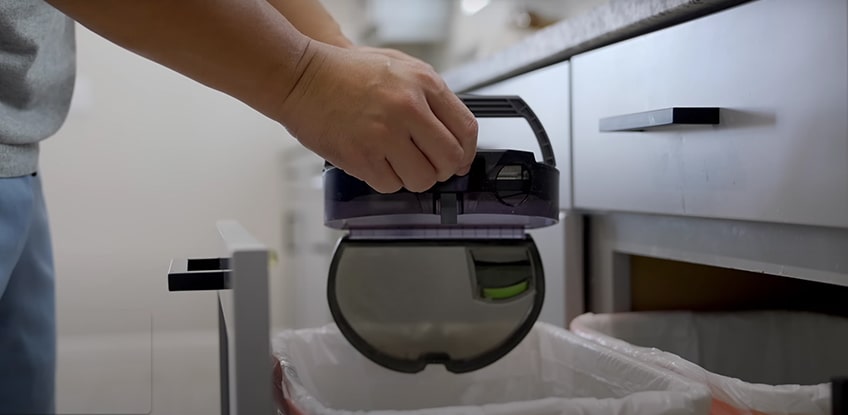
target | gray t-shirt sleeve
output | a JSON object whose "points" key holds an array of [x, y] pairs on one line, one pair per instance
{"points": [[37, 71]]}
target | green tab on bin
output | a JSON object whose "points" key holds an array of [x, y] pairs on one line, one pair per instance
{"points": [[503, 293]]}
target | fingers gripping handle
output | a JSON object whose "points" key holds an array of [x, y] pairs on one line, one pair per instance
{"points": [[508, 106]]}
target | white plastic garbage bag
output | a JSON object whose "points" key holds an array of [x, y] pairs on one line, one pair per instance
{"points": [[764, 362], [551, 372]]}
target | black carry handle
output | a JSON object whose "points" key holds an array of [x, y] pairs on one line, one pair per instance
{"points": [[642, 121], [511, 106], [201, 274], [507, 106]]}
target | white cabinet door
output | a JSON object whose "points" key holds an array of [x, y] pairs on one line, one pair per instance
{"points": [[546, 92], [778, 69]]}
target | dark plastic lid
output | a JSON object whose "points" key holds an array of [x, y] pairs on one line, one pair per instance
{"points": [[405, 304], [503, 188]]}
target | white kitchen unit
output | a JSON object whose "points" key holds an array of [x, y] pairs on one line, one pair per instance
{"points": [[764, 187], [715, 136], [775, 69]]}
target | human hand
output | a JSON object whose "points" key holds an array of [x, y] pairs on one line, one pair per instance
{"points": [[380, 115]]}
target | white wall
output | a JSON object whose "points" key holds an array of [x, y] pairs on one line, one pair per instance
{"points": [[146, 164], [351, 15]]}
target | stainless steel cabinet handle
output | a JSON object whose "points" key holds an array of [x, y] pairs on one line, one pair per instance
{"points": [[642, 121]]}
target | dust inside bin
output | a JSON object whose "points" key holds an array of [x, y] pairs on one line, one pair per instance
{"points": [[551, 372]]}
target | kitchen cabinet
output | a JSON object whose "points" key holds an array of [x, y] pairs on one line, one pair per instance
{"points": [[776, 69], [761, 188]]}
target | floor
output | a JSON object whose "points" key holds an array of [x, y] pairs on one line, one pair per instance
{"points": [[138, 373]]}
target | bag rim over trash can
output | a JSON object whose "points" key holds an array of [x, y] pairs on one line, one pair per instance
{"points": [[731, 396], [551, 372]]}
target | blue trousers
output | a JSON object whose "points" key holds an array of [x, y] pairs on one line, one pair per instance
{"points": [[27, 300]]}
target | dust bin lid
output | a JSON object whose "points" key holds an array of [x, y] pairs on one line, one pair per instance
{"points": [[462, 303], [506, 188]]}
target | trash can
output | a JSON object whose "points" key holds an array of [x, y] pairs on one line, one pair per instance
{"points": [[551, 372], [757, 362]]}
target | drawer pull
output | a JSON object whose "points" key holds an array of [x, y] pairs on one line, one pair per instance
{"points": [[641, 121], [199, 274]]}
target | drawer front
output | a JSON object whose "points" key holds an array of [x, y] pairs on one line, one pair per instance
{"points": [[546, 92], [778, 71]]}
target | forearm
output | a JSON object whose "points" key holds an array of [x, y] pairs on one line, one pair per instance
{"points": [[313, 20], [387, 119], [244, 48]]}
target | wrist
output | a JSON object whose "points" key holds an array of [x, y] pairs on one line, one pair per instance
{"points": [[290, 93]]}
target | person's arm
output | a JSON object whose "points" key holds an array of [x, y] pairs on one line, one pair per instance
{"points": [[238, 47], [312, 19], [390, 122]]}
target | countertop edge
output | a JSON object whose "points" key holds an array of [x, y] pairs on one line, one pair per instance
{"points": [[606, 24]]}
